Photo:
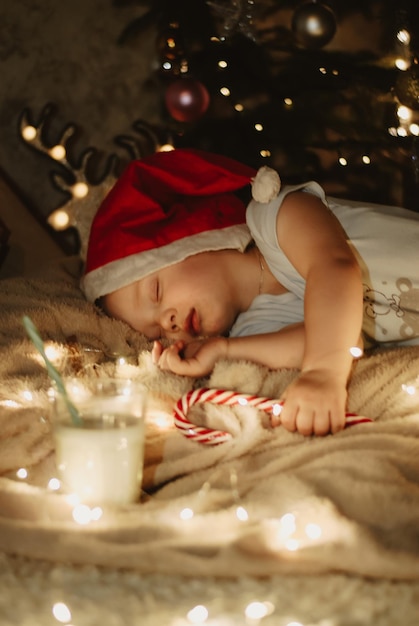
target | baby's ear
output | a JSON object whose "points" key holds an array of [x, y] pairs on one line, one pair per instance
{"points": [[265, 185]]}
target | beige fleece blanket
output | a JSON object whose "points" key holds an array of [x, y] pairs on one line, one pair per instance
{"points": [[266, 502]]}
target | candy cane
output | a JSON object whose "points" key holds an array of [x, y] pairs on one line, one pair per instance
{"points": [[225, 397]]}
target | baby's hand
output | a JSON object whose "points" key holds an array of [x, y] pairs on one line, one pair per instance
{"points": [[314, 403], [196, 358]]}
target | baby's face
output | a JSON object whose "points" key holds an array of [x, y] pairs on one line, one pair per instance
{"points": [[186, 300]]}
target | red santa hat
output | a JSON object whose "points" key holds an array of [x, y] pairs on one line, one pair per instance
{"points": [[167, 207]]}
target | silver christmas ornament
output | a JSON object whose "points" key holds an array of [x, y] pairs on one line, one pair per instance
{"points": [[313, 24]]}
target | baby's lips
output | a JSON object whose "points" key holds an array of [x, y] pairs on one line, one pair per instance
{"points": [[196, 325], [192, 325]]}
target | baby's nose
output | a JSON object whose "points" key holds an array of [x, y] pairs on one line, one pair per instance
{"points": [[168, 322]]}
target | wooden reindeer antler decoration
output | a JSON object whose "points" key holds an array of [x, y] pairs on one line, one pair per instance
{"points": [[85, 197]]}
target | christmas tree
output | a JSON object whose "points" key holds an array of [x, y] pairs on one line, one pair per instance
{"points": [[265, 82]]}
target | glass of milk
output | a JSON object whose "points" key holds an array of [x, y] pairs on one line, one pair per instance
{"points": [[100, 456]]}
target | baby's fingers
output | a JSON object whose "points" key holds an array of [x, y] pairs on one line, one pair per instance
{"points": [[173, 357], [156, 352], [338, 421], [170, 357], [307, 420], [313, 422], [287, 417]]}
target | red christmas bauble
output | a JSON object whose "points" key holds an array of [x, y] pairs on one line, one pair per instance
{"points": [[186, 99]]}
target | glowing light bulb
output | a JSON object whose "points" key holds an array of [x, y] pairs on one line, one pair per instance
{"points": [[222, 64], [366, 159], [162, 420], [57, 152], [414, 129], [404, 36], [166, 147], [409, 389], [29, 133], [313, 531], [242, 514], [277, 409], [186, 513], [258, 610], [239, 107], [404, 113], [198, 615], [288, 102], [258, 127], [11, 404], [54, 484], [61, 612], [342, 161], [288, 524], [401, 64], [59, 219], [80, 190], [81, 514], [225, 91], [54, 353], [265, 153]]}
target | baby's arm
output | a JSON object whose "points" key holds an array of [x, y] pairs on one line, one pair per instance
{"points": [[284, 348], [315, 401], [316, 245]]}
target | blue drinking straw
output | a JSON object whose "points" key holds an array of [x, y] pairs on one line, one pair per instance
{"points": [[52, 371]]}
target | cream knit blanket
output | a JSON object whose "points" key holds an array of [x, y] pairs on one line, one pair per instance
{"points": [[266, 502]]}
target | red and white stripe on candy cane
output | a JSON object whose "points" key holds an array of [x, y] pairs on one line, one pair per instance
{"points": [[209, 436]]}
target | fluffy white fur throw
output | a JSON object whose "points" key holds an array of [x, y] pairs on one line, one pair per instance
{"points": [[359, 489]]}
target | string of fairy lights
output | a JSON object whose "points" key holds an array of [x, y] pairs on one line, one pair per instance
{"points": [[305, 524]]}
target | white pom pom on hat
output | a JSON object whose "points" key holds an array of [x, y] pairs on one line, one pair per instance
{"points": [[265, 185]]}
